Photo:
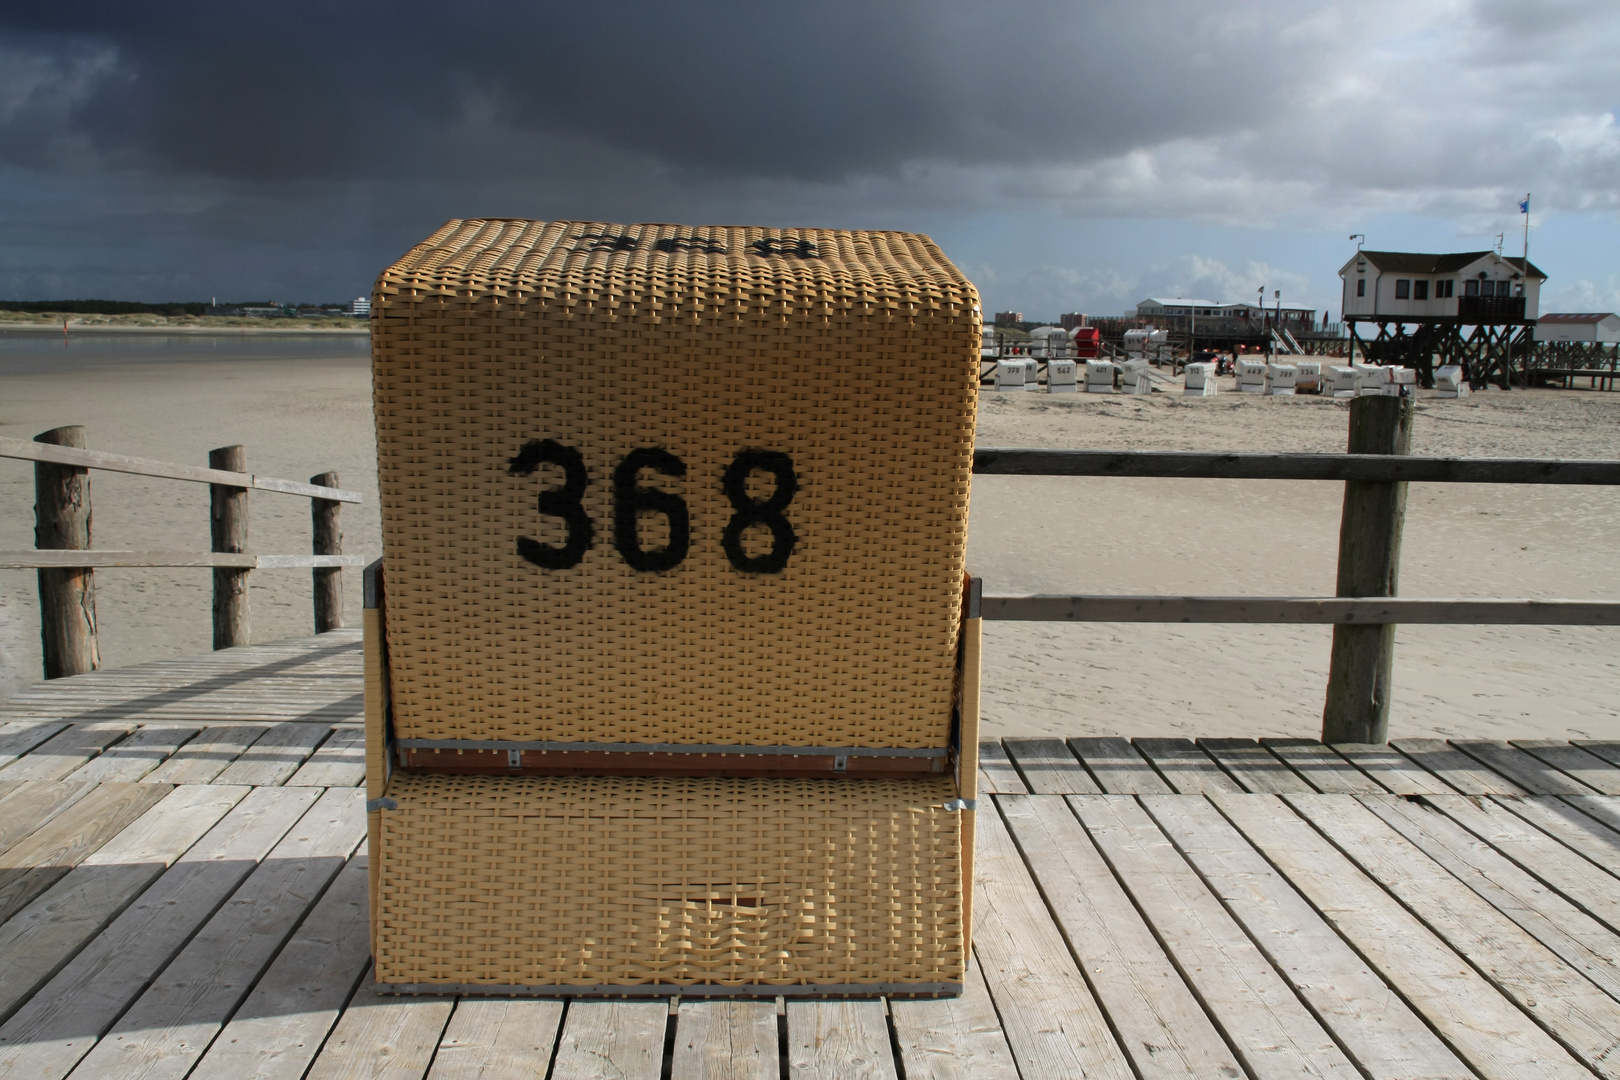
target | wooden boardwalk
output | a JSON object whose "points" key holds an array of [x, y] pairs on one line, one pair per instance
{"points": [[183, 893]]}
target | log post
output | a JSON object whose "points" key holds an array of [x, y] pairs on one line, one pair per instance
{"points": [[228, 520], [67, 597], [328, 540], [1363, 659]]}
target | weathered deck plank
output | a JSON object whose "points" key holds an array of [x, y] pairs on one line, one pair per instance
{"points": [[996, 769], [1184, 767], [1158, 1020], [1529, 772], [839, 1040], [1379, 1031], [340, 761], [1579, 940], [1048, 767], [1393, 769], [725, 1040], [380, 1037], [47, 1036], [37, 941], [489, 1038], [1576, 877], [612, 1040], [1268, 1026], [1053, 1024], [277, 1031], [953, 1038], [1456, 768], [1119, 769], [34, 864], [1253, 766], [1322, 768], [275, 755], [62, 753], [132, 758], [1481, 1017], [167, 1028], [1588, 768], [17, 737], [202, 759]]}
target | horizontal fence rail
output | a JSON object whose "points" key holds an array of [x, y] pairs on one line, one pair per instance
{"points": [[1374, 610], [44, 560], [995, 461], [99, 459]]}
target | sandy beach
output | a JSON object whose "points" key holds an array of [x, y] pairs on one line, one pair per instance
{"points": [[303, 406]]}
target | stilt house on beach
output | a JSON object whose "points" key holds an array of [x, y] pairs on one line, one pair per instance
{"points": [[1420, 302]]}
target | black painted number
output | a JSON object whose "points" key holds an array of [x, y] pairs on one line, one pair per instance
{"points": [[631, 500], [563, 502], [756, 512]]}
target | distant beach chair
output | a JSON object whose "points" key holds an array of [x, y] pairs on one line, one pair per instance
{"points": [[1308, 377], [1100, 376], [1062, 376], [1369, 380], [1032, 374], [1397, 381], [1134, 377], [1010, 374], [1341, 381], [1280, 379], [1449, 381], [1200, 381], [1251, 376]]}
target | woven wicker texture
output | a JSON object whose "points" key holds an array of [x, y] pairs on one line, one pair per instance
{"points": [[581, 881], [854, 354]]}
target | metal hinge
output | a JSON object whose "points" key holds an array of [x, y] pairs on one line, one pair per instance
{"points": [[961, 804], [384, 803], [514, 759]]}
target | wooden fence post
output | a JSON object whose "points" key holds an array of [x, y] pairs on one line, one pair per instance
{"points": [[328, 540], [1363, 658], [67, 598], [228, 520]]}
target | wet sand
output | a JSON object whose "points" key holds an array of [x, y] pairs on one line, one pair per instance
{"points": [[304, 412]]}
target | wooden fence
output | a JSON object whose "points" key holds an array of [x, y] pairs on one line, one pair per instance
{"points": [[1365, 611], [66, 561]]}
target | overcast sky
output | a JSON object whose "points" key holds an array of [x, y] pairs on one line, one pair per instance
{"points": [[1068, 156]]}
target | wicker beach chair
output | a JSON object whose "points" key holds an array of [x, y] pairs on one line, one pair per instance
{"points": [[672, 676]]}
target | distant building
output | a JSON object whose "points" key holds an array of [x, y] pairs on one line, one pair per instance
{"points": [[263, 310], [360, 307], [1602, 327], [1072, 319], [1009, 318], [1222, 320], [1391, 286]]}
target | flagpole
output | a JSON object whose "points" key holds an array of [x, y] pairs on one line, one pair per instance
{"points": [[1527, 236]]}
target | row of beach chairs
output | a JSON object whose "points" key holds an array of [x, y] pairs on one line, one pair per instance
{"points": [[1253, 377]]}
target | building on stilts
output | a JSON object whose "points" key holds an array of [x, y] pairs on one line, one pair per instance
{"points": [[1476, 309]]}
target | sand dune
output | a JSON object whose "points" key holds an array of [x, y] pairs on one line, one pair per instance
{"points": [[300, 414]]}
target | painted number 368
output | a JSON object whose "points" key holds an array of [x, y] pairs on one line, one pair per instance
{"points": [[631, 499]]}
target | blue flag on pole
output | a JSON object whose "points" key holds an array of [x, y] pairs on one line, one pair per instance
{"points": [[1524, 207]]}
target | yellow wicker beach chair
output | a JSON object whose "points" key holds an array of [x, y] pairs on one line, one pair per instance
{"points": [[672, 677]]}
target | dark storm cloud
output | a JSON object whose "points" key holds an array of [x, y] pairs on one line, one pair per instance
{"points": [[191, 149], [812, 91]]}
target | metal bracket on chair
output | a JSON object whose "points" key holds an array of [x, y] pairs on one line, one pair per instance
{"points": [[514, 759], [961, 804], [384, 803]]}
